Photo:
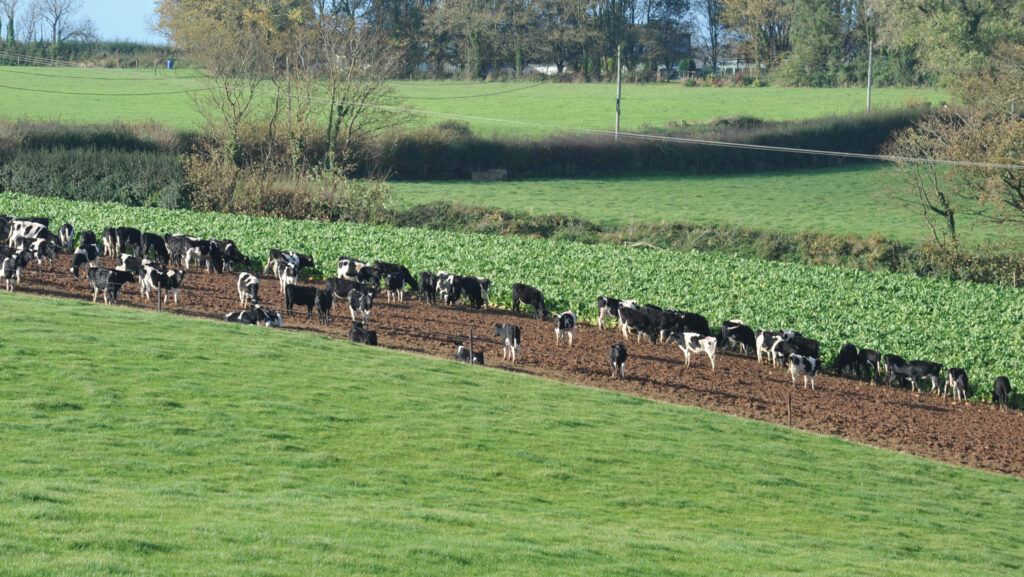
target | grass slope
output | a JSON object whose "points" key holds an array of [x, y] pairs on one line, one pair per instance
{"points": [[105, 95], [147, 444], [839, 201]]}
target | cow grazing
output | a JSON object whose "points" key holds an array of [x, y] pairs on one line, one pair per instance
{"points": [[341, 287], [230, 255], [526, 294], [205, 252], [129, 263], [300, 261], [428, 284], [299, 295], [23, 231], [449, 287], [806, 366], [394, 284], [86, 237], [565, 326], [913, 372], [87, 254], [11, 268], [43, 249], [178, 247], [323, 303], [764, 341], [691, 343], [1001, 391], [634, 320], [248, 288], [956, 379], [472, 290], [618, 360], [847, 359], [735, 334], [510, 337], [485, 285], [257, 315], [462, 356], [66, 234], [117, 239], [670, 321], [109, 281], [154, 244], [869, 362], [362, 335], [286, 272], [607, 307], [167, 281], [360, 302], [385, 268], [890, 362]]}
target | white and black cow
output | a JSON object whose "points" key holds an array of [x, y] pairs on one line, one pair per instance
{"points": [[167, 281], [735, 334], [299, 295], [890, 362], [154, 244], [394, 284], [462, 356], [178, 246], [43, 249], [86, 237], [360, 302], [449, 287], [956, 379], [608, 307], [635, 320], [526, 294], [428, 284], [248, 288], [323, 303], [205, 252], [12, 266], [1001, 391], [257, 315], [109, 281], [806, 366], [691, 343], [287, 273], [127, 262], [565, 326], [915, 371], [359, 334], [847, 360], [300, 260], [117, 239], [667, 322], [385, 268], [66, 234], [869, 362], [348, 268], [341, 287], [618, 360], [510, 337], [87, 254], [230, 255], [473, 291], [22, 230]]}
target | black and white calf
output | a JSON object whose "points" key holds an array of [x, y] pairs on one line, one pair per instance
{"points": [[87, 254], [42, 248], [12, 266], [565, 326], [386, 268], [117, 239], [1001, 391], [956, 379], [362, 335], [691, 343], [129, 263], [470, 287], [634, 320], [167, 281], [890, 362], [738, 335], [526, 294], [428, 284], [618, 360], [248, 288], [360, 302], [348, 268], [806, 366], [300, 261], [510, 337], [257, 315], [341, 287], [394, 284], [607, 307], [847, 359], [914, 371], [230, 255], [323, 303], [869, 362], [462, 356], [449, 287], [66, 234], [154, 244], [109, 281], [300, 295], [287, 274], [86, 237]]}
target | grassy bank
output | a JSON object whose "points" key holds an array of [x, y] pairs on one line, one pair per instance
{"points": [[212, 462]]}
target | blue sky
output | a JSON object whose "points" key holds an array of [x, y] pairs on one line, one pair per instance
{"points": [[122, 19]]}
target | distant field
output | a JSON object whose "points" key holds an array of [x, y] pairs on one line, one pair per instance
{"points": [[333, 458], [840, 201], [104, 95]]}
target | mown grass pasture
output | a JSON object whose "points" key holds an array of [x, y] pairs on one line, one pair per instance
{"points": [[131, 446], [918, 318], [94, 95], [847, 201]]}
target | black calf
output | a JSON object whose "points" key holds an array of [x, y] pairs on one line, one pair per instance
{"points": [[526, 294], [358, 334], [299, 295], [618, 360], [1001, 391]]}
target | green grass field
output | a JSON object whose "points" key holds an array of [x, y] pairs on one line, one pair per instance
{"points": [[146, 444], [105, 95], [839, 201]]}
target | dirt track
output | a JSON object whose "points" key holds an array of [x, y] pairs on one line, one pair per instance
{"points": [[969, 434]]}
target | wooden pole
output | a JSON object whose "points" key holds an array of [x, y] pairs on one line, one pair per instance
{"points": [[618, 90], [789, 408], [471, 346]]}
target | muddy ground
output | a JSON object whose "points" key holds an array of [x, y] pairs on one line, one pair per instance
{"points": [[970, 434]]}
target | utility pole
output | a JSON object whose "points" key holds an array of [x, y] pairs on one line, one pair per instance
{"points": [[618, 90], [871, 49]]}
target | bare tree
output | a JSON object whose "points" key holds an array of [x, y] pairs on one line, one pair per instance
{"points": [[710, 30], [59, 17], [8, 10]]}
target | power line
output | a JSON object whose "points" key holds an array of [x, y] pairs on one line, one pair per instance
{"points": [[65, 93]]}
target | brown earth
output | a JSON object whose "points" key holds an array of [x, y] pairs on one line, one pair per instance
{"points": [[970, 434]]}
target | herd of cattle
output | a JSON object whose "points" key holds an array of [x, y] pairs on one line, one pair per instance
{"points": [[358, 283]]}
